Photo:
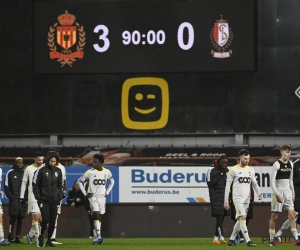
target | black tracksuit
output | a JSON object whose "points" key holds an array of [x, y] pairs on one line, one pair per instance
{"points": [[12, 188], [47, 185]]}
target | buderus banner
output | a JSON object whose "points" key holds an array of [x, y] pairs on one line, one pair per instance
{"points": [[163, 184], [159, 184], [175, 184]]}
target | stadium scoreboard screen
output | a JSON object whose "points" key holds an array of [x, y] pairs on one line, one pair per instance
{"points": [[144, 36]]}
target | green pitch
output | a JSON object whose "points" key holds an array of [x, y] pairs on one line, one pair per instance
{"points": [[148, 244]]}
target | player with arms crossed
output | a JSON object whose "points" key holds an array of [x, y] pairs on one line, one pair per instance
{"points": [[283, 193], [97, 191], [33, 206], [242, 176]]}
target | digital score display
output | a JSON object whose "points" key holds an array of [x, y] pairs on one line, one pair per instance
{"points": [[145, 36]]}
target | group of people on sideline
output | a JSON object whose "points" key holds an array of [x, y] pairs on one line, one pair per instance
{"points": [[231, 192], [41, 187]]}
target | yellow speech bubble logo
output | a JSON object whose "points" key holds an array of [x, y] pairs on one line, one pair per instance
{"points": [[143, 124]]}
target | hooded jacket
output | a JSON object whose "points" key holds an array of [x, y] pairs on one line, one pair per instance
{"points": [[47, 183], [216, 181]]}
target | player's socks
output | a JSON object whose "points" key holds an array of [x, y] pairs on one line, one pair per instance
{"points": [[279, 233], [294, 233], [97, 227], [34, 229], [216, 238], [31, 232], [284, 226], [235, 231], [272, 234], [37, 233], [244, 230]]}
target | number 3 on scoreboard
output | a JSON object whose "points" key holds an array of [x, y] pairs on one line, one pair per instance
{"points": [[102, 37]]}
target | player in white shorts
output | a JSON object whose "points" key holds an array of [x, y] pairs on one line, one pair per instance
{"points": [[242, 176], [64, 174], [33, 207], [296, 182], [283, 193], [97, 192]]}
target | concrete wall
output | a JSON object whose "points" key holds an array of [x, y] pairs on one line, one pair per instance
{"points": [[143, 221]]}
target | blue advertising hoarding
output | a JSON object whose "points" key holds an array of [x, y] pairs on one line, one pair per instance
{"points": [[73, 173], [158, 184]]}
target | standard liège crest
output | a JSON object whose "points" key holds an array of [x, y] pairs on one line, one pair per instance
{"points": [[66, 41], [221, 38]]}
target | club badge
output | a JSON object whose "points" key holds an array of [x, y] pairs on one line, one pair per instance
{"points": [[66, 41], [221, 38]]}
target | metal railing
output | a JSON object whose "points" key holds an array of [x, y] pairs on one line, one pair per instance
{"points": [[68, 161]]}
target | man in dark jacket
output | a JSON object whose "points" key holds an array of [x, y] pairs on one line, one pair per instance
{"points": [[17, 209], [216, 181], [47, 187]]}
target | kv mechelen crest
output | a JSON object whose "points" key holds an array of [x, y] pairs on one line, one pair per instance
{"points": [[65, 40]]}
